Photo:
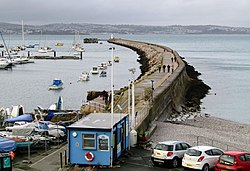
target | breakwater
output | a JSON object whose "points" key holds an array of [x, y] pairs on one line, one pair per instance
{"points": [[158, 93]]}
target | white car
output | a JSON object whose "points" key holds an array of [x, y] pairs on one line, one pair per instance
{"points": [[201, 157], [169, 152]]}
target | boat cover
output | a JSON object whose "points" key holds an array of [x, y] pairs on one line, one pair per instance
{"points": [[57, 82], [24, 117], [7, 145]]}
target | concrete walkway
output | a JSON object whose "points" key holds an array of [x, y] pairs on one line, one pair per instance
{"points": [[45, 162]]}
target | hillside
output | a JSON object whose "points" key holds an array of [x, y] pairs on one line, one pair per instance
{"points": [[85, 28]]}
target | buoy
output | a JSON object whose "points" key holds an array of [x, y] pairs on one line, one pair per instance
{"points": [[89, 156]]}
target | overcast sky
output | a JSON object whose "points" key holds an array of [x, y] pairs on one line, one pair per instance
{"points": [[140, 12]]}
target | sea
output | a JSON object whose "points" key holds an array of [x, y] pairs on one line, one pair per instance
{"points": [[222, 60]]}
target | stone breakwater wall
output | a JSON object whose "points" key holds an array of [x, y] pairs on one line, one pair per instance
{"points": [[170, 89]]}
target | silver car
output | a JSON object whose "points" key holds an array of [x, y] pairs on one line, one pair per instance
{"points": [[169, 152]]}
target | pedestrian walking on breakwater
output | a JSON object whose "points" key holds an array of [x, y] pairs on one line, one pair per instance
{"points": [[172, 59], [168, 68], [175, 59], [159, 68], [164, 68], [172, 68]]}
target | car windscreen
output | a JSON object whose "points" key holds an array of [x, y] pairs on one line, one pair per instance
{"points": [[193, 152], [227, 160], [164, 147]]}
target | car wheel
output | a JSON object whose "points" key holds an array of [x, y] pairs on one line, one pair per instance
{"points": [[205, 167], [175, 162], [155, 163]]}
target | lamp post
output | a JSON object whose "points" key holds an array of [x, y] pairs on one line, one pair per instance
{"points": [[133, 133], [112, 105]]}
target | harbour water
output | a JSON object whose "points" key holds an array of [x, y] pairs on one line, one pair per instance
{"points": [[223, 61]]}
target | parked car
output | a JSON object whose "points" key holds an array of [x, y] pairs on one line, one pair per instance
{"points": [[169, 152], [233, 161], [201, 157]]}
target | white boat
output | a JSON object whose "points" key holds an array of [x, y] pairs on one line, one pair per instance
{"points": [[84, 76], [76, 46], [94, 70], [4, 64], [56, 85], [45, 50], [103, 66]]}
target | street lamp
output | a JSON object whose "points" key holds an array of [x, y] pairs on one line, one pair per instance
{"points": [[133, 133], [112, 104]]}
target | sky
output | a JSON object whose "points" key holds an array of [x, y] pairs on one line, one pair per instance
{"points": [[139, 12]]}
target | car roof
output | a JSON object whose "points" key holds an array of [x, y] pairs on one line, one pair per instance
{"points": [[203, 148], [235, 153], [171, 142]]}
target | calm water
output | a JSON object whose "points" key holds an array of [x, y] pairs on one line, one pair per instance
{"points": [[28, 84], [223, 60]]}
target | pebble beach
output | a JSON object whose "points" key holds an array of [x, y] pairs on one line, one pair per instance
{"points": [[205, 130]]}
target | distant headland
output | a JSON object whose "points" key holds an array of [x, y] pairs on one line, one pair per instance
{"points": [[86, 28]]}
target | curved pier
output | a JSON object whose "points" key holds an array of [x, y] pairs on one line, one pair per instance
{"points": [[157, 93]]}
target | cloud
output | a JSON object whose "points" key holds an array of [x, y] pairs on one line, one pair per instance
{"points": [[157, 12]]}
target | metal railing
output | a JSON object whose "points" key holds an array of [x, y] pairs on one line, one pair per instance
{"points": [[201, 140]]}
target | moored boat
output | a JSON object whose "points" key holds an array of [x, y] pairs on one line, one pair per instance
{"points": [[84, 76], [116, 59], [94, 70], [56, 85], [103, 73]]}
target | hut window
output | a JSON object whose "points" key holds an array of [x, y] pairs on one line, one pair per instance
{"points": [[88, 141]]}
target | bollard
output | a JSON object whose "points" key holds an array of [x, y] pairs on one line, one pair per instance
{"points": [[81, 55], [61, 160], [65, 157]]}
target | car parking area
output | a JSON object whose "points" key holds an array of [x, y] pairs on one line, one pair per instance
{"points": [[139, 159]]}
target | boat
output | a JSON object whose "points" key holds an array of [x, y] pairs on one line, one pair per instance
{"points": [[103, 66], [94, 70], [56, 85], [77, 47], [30, 46], [84, 76], [4, 64], [116, 59], [1, 46], [45, 50], [59, 44], [103, 73]]}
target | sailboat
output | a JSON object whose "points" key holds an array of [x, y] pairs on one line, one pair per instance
{"points": [[45, 48], [6, 62], [77, 47]]}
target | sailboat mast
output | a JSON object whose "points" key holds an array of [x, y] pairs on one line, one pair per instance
{"points": [[5, 46], [23, 34]]}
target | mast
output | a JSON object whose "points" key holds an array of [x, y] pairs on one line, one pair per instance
{"points": [[23, 35], [5, 46]]}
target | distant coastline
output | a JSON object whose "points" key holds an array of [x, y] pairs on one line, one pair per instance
{"points": [[87, 28]]}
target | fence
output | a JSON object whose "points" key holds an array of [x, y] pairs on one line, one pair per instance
{"points": [[211, 142]]}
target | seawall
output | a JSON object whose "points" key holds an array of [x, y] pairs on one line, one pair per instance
{"points": [[157, 94]]}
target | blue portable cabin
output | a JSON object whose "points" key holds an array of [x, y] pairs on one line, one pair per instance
{"points": [[89, 139]]}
